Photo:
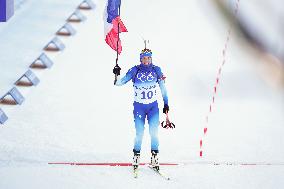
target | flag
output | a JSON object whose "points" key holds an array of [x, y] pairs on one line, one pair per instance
{"points": [[112, 20]]}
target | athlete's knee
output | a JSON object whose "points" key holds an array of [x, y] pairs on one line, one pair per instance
{"points": [[154, 124], [153, 131], [153, 119]]}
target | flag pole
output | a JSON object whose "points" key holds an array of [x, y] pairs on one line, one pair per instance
{"points": [[116, 64], [117, 38]]}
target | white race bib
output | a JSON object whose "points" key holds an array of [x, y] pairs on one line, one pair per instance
{"points": [[145, 94]]}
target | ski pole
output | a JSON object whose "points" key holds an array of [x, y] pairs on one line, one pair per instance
{"points": [[116, 62], [168, 124]]}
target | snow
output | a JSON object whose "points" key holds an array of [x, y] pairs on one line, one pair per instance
{"points": [[76, 114], [33, 22]]}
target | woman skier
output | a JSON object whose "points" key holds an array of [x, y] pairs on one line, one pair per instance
{"points": [[146, 79]]}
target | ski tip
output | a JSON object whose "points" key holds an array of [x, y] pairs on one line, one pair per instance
{"points": [[135, 172]]}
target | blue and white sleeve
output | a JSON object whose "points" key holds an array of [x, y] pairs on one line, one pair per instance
{"points": [[161, 81], [164, 91], [128, 76]]}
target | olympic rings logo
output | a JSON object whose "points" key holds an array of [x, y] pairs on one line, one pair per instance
{"points": [[143, 77]]}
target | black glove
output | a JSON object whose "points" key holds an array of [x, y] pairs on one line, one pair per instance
{"points": [[166, 109], [116, 70]]}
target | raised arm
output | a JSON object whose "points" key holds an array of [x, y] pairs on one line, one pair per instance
{"points": [[128, 76]]}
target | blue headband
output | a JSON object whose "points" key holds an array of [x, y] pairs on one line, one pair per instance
{"points": [[145, 54]]}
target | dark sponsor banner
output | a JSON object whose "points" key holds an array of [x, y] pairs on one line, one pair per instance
{"points": [[6, 10]]}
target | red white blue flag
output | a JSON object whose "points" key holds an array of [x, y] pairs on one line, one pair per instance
{"points": [[113, 25]]}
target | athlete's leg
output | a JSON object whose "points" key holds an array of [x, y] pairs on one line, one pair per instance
{"points": [[153, 120], [139, 120]]}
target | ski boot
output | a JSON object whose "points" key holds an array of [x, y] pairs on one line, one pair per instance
{"points": [[136, 160], [155, 160], [135, 163]]}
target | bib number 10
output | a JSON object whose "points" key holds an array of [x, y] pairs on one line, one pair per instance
{"points": [[149, 95]]}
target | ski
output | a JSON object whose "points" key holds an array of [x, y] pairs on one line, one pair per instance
{"points": [[159, 173], [135, 172]]}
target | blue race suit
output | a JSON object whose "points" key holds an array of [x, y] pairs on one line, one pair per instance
{"points": [[146, 79]]}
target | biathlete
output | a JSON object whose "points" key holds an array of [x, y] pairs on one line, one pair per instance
{"points": [[146, 78]]}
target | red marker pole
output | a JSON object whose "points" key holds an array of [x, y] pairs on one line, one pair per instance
{"points": [[205, 130], [224, 52]]}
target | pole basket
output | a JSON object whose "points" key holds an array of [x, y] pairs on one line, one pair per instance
{"points": [[167, 124]]}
